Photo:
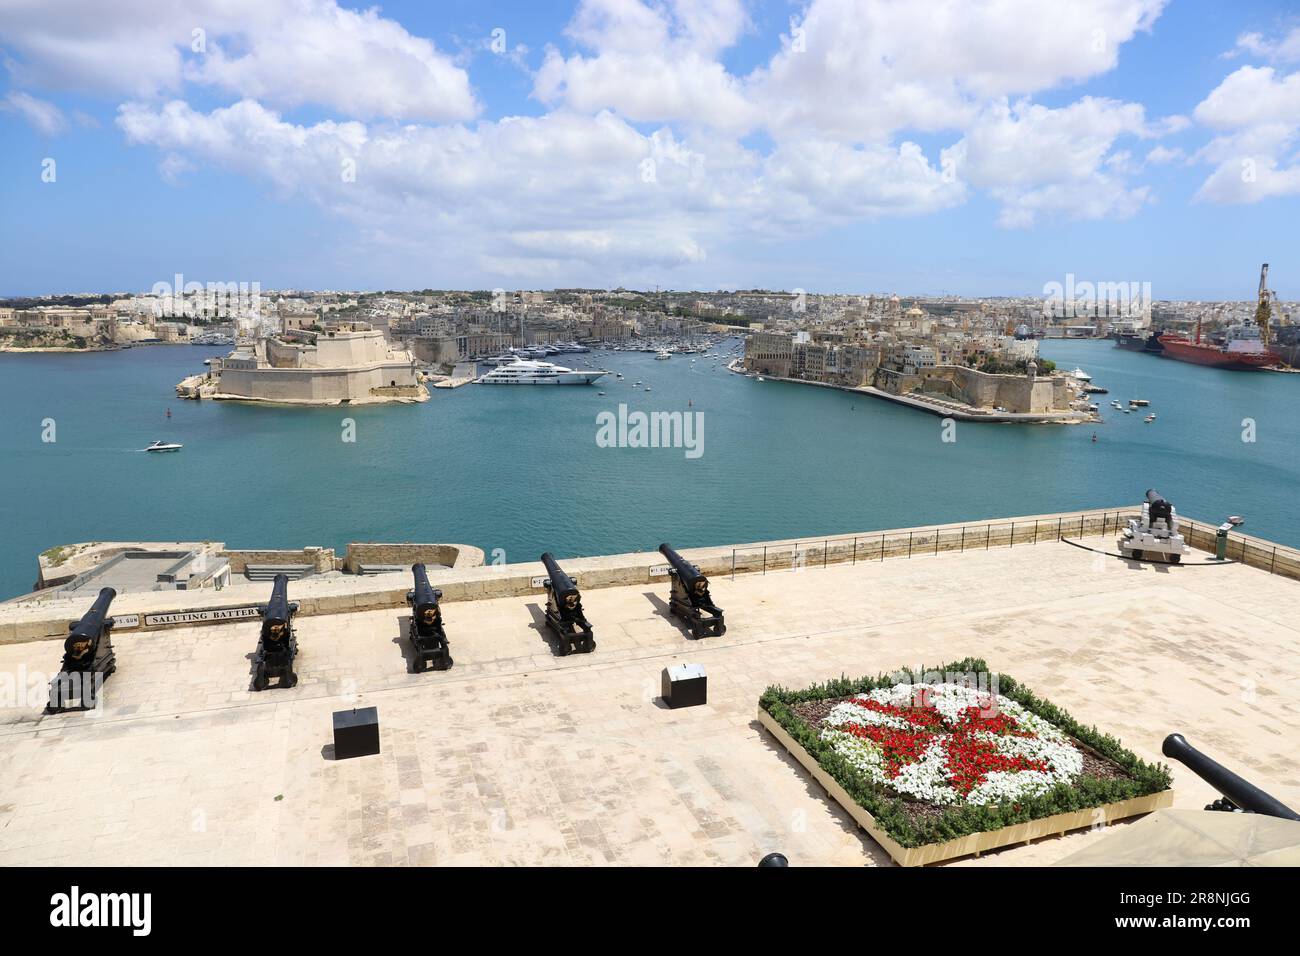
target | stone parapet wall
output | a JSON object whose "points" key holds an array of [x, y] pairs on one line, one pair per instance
{"points": [[458, 556], [466, 581], [321, 559]]}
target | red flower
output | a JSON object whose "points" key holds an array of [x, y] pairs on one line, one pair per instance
{"points": [[969, 759]]}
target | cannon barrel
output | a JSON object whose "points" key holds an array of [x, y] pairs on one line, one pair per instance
{"points": [[687, 572], [561, 583], [277, 609], [424, 596], [1158, 506], [91, 625], [1241, 792]]}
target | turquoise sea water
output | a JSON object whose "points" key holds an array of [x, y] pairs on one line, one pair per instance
{"points": [[519, 469]]}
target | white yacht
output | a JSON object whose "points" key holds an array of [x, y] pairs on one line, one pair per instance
{"points": [[539, 373], [663, 355], [165, 446]]}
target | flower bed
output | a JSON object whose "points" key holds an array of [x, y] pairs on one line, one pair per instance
{"points": [[945, 769]]}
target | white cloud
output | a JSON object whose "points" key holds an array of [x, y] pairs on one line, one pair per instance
{"points": [[651, 64], [44, 116], [1160, 155], [1038, 160], [285, 52], [532, 193], [1257, 113], [587, 186], [822, 181], [866, 70], [1285, 49]]}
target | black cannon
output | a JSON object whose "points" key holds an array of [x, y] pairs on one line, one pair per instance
{"points": [[564, 610], [690, 598], [1238, 794], [278, 645], [1158, 508], [428, 639], [88, 658]]}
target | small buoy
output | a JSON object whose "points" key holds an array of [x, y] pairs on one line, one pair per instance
{"points": [[1094, 436], [169, 413]]}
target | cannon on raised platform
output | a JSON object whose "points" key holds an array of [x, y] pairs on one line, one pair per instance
{"points": [[1238, 794], [1155, 535], [278, 645], [428, 639], [88, 658], [690, 598], [564, 610]]}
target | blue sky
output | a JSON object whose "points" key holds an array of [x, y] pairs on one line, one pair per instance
{"points": [[832, 145]]}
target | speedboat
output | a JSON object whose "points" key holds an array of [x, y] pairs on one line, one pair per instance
{"points": [[538, 373], [1081, 375], [165, 446], [663, 355]]}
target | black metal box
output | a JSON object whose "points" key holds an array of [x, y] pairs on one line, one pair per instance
{"points": [[684, 685], [356, 732]]}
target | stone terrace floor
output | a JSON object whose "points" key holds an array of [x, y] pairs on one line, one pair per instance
{"points": [[517, 756]]}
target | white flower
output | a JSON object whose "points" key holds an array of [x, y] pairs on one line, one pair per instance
{"points": [[928, 777]]}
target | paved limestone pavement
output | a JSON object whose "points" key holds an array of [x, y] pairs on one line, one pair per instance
{"points": [[519, 756]]}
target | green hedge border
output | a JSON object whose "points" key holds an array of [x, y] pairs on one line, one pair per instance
{"points": [[1144, 778]]}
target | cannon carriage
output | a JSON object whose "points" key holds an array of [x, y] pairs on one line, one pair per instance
{"points": [[278, 644], [564, 614], [88, 658], [690, 600], [428, 639], [1154, 536]]}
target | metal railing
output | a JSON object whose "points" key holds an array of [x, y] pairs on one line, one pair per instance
{"points": [[998, 534]]}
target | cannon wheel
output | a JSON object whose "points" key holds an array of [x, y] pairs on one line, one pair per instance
{"points": [[417, 665], [259, 678], [1175, 558], [722, 629], [289, 680], [697, 630]]}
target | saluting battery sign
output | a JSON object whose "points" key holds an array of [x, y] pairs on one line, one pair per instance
{"points": [[219, 615]]}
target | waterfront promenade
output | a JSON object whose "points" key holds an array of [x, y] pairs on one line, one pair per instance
{"points": [[519, 756]]}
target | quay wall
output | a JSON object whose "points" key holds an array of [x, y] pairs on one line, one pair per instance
{"points": [[20, 622], [316, 385]]}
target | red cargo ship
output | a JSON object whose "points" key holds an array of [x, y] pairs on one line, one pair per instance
{"points": [[1243, 350]]}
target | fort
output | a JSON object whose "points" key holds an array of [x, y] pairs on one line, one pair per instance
{"points": [[341, 364], [521, 755]]}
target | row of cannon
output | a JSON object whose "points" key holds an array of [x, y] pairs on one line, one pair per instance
{"points": [[88, 657]]}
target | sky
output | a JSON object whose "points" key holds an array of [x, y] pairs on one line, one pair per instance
{"points": [[946, 146]]}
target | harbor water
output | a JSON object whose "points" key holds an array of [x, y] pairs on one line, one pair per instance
{"points": [[518, 470]]}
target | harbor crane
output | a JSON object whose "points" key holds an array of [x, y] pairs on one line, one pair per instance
{"points": [[1264, 310]]}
